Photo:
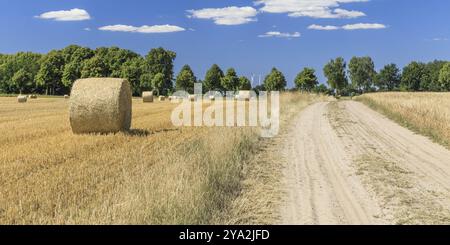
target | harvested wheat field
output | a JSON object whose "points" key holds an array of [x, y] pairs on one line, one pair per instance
{"points": [[155, 174]]}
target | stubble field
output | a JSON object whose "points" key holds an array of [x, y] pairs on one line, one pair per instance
{"points": [[155, 174]]}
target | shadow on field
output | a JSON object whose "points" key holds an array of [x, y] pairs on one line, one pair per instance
{"points": [[138, 133], [145, 133]]}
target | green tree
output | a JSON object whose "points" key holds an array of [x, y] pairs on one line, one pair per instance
{"points": [[21, 79], [389, 78], [413, 75], [244, 83], [146, 82], [444, 77], [336, 75], [115, 58], [306, 80], [11, 64], [259, 88], [132, 71], [230, 82], [75, 53], [74, 58], [321, 89], [95, 67], [158, 83], [433, 68], [213, 79], [71, 73], [275, 81], [51, 71], [160, 60], [362, 73], [186, 79]]}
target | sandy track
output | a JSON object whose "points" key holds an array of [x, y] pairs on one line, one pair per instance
{"points": [[346, 164]]}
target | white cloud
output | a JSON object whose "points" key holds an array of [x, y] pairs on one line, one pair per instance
{"points": [[323, 28], [349, 14], [66, 15], [310, 8], [364, 26], [87, 29], [226, 16], [142, 29], [351, 27], [281, 34], [438, 39]]}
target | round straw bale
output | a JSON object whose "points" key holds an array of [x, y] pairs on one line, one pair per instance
{"points": [[100, 105], [162, 98], [147, 96], [22, 98], [66, 96], [32, 96], [192, 97]]}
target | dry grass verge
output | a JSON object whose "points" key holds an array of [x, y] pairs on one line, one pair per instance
{"points": [[425, 113]]}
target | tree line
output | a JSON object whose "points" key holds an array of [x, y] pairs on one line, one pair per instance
{"points": [[55, 72], [416, 76]]}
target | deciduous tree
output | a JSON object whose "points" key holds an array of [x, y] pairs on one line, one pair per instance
{"points": [[444, 77], [306, 80], [160, 60], [231, 81], [336, 75], [245, 83], [213, 79], [186, 79], [362, 73], [389, 78], [275, 81]]}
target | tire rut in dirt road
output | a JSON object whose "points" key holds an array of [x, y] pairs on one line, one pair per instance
{"points": [[347, 164], [406, 172], [321, 185]]}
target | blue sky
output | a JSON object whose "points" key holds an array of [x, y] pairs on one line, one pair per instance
{"points": [[251, 36]]}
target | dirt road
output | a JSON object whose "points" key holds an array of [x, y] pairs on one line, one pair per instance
{"points": [[347, 164]]}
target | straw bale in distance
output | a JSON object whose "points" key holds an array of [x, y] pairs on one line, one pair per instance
{"points": [[100, 105], [162, 98], [22, 98], [147, 96]]}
